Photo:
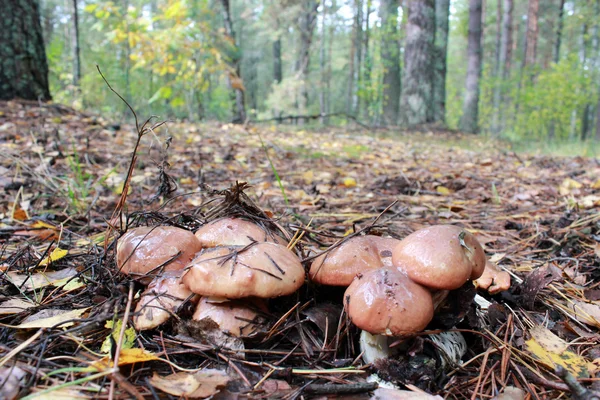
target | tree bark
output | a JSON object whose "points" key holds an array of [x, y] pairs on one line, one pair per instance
{"points": [[76, 58], [277, 71], [23, 64], [355, 55], [307, 24], [390, 56], [470, 119], [532, 32], [322, 70], [505, 40], [416, 101], [498, 38], [559, 32], [239, 109], [442, 10]]}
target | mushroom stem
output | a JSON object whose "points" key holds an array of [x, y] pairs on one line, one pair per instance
{"points": [[374, 347]]}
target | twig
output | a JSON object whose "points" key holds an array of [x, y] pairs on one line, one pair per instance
{"points": [[342, 389]]}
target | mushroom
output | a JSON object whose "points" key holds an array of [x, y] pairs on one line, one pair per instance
{"points": [[146, 251], [160, 300], [493, 279], [234, 232], [233, 317], [385, 302], [359, 254], [440, 257], [263, 270]]}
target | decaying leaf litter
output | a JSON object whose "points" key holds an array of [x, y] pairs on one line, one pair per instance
{"points": [[62, 297]]}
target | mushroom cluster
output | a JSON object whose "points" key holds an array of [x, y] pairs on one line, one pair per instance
{"points": [[228, 268], [393, 286]]}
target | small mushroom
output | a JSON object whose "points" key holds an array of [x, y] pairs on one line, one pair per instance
{"points": [[386, 302], [263, 270], [160, 300], [359, 254], [148, 251], [236, 318], [234, 232], [440, 257], [494, 280]]}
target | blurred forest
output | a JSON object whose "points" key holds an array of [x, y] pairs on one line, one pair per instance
{"points": [[516, 68]]}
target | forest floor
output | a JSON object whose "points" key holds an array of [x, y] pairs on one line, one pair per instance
{"points": [[62, 175]]}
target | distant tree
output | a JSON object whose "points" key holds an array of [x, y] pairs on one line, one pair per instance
{"points": [[416, 100], [560, 23], [235, 81], [390, 57], [75, 38], [532, 32], [23, 65], [442, 9], [355, 59], [503, 66], [306, 24], [323, 94], [470, 119]]}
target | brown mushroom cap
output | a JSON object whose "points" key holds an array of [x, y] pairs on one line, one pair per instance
{"points": [[493, 279], [339, 266], [234, 317], [158, 302], [435, 257], [143, 250], [234, 232], [261, 270], [386, 302]]}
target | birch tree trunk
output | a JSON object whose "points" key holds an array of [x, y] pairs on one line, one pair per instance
{"points": [[442, 10], [76, 58], [470, 119], [416, 101], [390, 56]]}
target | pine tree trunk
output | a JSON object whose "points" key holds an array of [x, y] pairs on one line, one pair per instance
{"points": [[498, 38], [277, 71], [556, 55], [390, 56], [322, 56], [307, 24], [442, 10], [416, 101], [532, 32], [366, 76], [469, 120], [239, 108], [76, 58], [505, 41], [23, 64]]}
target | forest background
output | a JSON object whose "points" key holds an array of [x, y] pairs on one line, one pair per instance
{"points": [[538, 62]]}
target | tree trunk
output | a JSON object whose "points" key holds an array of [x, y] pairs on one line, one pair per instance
{"points": [[532, 32], [353, 65], [416, 102], [559, 32], [76, 58], [469, 120], [239, 109], [277, 72], [596, 48], [307, 24], [329, 56], [390, 57], [366, 76], [505, 40], [322, 70], [498, 38], [442, 9], [23, 65]]}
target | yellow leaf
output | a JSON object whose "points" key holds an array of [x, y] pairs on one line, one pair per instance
{"points": [[596, 185], [41, 279], [443, 190], [50, 317], [349, 182], [128, 338], [56, 255], [186, 181], [552, 351], [567, 185], [127, 356], [308, 177]]}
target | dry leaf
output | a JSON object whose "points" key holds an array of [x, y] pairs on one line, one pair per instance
{"points": [[349, 182], [55, 255], [588, 313], [65, 393], [196, 385], [394, 394], [443, 190], [127, 356], [511, 393], [41, 279], [50, 317], [10, 382], [15, 306], [552, 351]]}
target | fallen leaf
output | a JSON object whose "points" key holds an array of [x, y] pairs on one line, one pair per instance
{"points": [[128, 338], [15, 306], [42, 279], [511, 393], [349, 182], [196, 385], [588, 313], [55, 255], [443, 190], [51, 317], [65, 393], [552, 351], [10, 382], [126, 357]]}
